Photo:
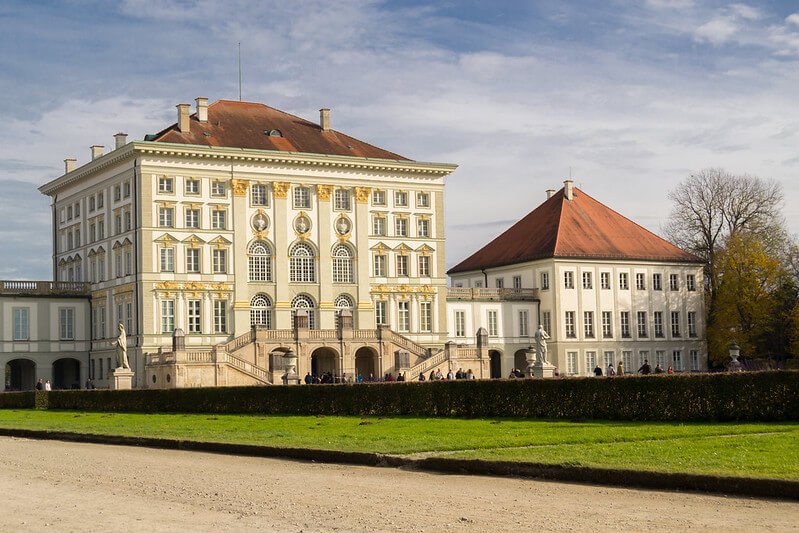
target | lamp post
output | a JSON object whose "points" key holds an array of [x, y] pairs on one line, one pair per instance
{"points": [[735, 351]]}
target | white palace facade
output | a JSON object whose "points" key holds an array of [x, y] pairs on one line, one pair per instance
{"points": [[241, 233]]}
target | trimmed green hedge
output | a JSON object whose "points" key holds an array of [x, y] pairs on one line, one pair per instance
{"points": [[758, 396], [17, 400]]}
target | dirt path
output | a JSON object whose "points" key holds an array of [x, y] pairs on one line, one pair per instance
{"points": [[88, 487]]}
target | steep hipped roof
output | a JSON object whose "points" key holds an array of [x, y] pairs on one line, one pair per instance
{"points": [[247, 125], [580, 228]]}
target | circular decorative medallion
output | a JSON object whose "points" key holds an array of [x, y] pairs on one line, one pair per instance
{"points": [[260, 222], [302, 224], [343, 225]]}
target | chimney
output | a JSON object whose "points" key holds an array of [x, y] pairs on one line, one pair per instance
{"points": [[550, 193], [202, 108], [324, 119], [69, 164], [97, 151], [568, 189], [183, 118], [120, 139]]}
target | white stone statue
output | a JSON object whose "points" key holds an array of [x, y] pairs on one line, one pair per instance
{"points": [[541, 337], [122, 348]]}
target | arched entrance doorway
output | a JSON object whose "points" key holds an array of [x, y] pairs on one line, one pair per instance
{"points": [[20, 374], [324, 360], [66, 373], [520, 360], [366, 363], [496, 364]]}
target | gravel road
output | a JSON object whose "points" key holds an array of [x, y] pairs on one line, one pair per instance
{"points": [[64, 486]]}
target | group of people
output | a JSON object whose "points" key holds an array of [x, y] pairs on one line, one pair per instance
{"points": [[619, 369], [43, 385], [437, 375]]}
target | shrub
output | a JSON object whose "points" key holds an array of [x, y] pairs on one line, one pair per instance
{"points": [[17, 400], [760, 396]]}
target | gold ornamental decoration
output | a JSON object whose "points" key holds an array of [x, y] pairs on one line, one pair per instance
{"points": [[324, 192], [362, 194], [281, 189], [239, 187]]}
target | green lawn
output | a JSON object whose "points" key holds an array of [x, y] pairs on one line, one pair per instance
{"points": [[753, 450]]}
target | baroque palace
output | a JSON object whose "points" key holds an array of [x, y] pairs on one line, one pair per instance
{"points": [[241, 234]]}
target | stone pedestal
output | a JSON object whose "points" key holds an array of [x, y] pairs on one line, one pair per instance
{"points": [[543, 370], [291, 379], [120, 379]]}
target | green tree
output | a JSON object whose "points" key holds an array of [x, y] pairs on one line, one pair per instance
{"points": [[755, 303]]}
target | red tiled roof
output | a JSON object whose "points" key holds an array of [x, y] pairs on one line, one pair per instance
{"points": [[581, 228], [243, 125]]}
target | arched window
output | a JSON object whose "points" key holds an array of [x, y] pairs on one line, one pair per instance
{"points": [[302, 267], [261, 311], [342, 264], [260, 262], [343, 302], [303, 301]]}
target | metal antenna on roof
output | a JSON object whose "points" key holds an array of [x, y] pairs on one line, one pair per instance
{"points": [[239, 71]]}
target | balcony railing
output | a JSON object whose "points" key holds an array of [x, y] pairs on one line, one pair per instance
{"points": [[44, 288], [480, 293]]}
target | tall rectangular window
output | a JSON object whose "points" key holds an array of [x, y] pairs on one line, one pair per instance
{"points": [[379, 265], [675, 323], [220, 316], [422, 199], [404, 315], [624, 281], [118, 192], [401, 227], [402, 266], [571, 363], [674, 282], [660, 358], [258, 195], [517, 282], [627, 358], [423, 227], [381, 316], [658, 319], [194, 315], [499, 283], [21, 323], [524, 324], [546, 321], [568, 279], [460, 323], [401, 199], [302, 198], [165, 185], [167, 259], [657, 282], [588, 323], [192, 218], [607, 324], [166, 217], [219, 261], [640, 281], [219, 219], [641, 324], [167, 316], [378, 225], [493, 326], [676, 359], [610, 359], [694, 360], [544, 281], [129, 317], [426, 317], [378, 197], [193, 260], [341, 200], [604, 280], [624, 322], [690, 282], [588, 282], [192, 186], [126, 189], [590, 361], [424, 266], [569, 324], [218, 188], [691, 323]]}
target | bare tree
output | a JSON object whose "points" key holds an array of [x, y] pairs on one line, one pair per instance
{"points": [[713, 204]]}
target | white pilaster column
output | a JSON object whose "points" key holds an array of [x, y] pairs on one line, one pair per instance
{"points": [[283, 230], [324, 225], [364, 309], [241, 301]]}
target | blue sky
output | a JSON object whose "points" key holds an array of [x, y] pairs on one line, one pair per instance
{"points": [[631, 95]]}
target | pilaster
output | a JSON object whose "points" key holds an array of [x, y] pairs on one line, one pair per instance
{"points": [[361, 228], [282, 225], [241, 300]]}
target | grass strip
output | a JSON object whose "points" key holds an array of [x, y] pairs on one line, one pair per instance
{"points": [[768, 450]]}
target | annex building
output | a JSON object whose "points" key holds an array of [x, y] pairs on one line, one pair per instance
{"points": [[242, 233]]}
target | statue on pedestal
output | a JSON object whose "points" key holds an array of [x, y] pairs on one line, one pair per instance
{"points": [[122, 348], [541, 337]]}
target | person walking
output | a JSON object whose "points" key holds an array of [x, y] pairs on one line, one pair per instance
{"points": [[645, 368], [620, 369], [40, 384], [47, 385], [598, 371], [611, 370]]}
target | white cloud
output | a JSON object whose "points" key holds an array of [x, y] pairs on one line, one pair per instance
{"points": [[793, 19], [717, 31], [670, 4], [745, 12]]}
